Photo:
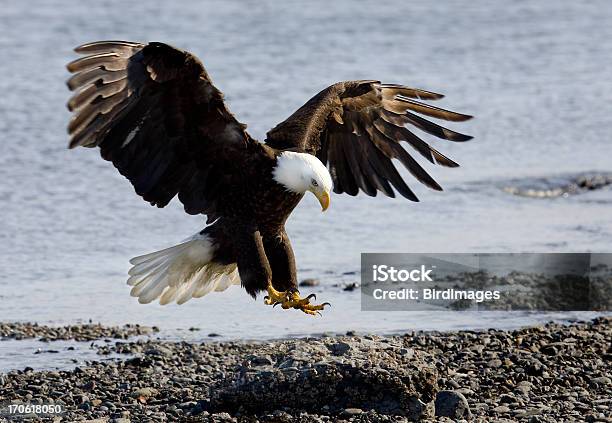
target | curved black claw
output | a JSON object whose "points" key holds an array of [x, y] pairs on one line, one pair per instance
{"points": [[311, 296], [326, 304], [275, 304]]}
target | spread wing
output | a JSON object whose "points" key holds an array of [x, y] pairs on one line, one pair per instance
{"points": [[154, 112], [356, 127]]}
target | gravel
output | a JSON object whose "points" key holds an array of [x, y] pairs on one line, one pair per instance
{"points": [[84, 332], [541, 292], [536, 374], [560, 187]]}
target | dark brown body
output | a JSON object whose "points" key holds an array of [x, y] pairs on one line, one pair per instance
{"points": [[252, 233]]}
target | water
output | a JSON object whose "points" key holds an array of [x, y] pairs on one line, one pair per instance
{"points": [[535, 75], [62, 355]]}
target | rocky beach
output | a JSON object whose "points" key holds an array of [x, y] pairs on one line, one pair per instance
{"points": [[549, 373]]}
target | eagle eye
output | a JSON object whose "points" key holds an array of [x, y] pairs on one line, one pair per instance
{"points": [[314, 183]]}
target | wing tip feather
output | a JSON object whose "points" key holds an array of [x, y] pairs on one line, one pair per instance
{"points": [[461, 137], [87, 47]]}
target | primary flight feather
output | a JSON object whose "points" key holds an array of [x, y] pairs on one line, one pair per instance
{"points": [[153, 111]]}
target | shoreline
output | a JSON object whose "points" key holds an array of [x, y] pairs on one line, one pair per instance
{"points": [[534, 374]]}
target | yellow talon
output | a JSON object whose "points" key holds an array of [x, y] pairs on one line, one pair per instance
{"points": [[274, 296], [292, 299]]}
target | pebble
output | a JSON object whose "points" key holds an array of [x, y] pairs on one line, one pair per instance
{"points": [[144, 393], [495, 363], [452, 404], [309, 282], [603, 380], [352, 411]]}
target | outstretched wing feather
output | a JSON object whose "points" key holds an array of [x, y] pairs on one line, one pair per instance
{"points": [[154, 112], [356, 127]]}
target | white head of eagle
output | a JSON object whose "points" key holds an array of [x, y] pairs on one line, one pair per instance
{"points": [[301, 172]]}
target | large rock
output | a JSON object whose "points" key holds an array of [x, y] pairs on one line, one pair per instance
{"points": [[452, 404], [332, 374]]}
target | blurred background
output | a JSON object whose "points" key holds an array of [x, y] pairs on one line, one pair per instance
{"points": [[536, 76]]}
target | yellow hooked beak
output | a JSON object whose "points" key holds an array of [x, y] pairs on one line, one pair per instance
{"points": [[323, 199]]}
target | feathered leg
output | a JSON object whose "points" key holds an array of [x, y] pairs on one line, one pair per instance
{"points": [[283, 288]]}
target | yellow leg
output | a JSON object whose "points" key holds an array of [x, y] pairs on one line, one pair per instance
{"points": [[292, 299]]}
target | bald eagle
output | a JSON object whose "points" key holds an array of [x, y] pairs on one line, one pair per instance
{"points": [[155, 114]]}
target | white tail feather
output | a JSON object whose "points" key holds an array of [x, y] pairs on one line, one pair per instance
{"points": [[180, 273]]}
